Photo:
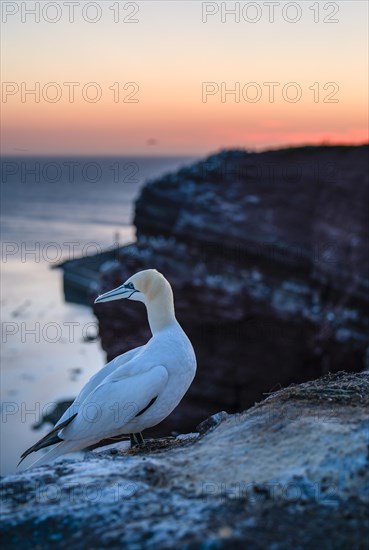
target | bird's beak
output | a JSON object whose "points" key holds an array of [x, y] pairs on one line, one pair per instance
{"points": [[114, 294]]}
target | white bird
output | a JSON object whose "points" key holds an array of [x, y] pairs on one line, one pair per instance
{"points": [[136, 390]]}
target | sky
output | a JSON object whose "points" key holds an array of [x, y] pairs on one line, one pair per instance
{"points": [[156, 78]]}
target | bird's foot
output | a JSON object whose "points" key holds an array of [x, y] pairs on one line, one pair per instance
{"points": [[137, 440], [133, 441], [140, 439]]}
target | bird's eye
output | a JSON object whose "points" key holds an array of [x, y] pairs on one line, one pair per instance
{"points": [[130, 285]]}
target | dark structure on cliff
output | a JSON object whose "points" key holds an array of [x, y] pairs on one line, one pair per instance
{"points": [[267, 255]]}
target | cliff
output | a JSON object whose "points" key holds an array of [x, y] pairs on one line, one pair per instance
{"points": [[291, 472], [267, 255]]}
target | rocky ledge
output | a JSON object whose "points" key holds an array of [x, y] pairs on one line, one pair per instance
{"points": [[291, 472], [267, 255]]}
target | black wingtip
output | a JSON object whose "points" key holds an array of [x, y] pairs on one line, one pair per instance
{"points": [[50, 439], [25, 454]]}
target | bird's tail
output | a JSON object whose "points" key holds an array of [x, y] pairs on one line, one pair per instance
{"points": [[59, 450]]}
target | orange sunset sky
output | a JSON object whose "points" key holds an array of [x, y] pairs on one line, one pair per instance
{"points": [[168, 50]]}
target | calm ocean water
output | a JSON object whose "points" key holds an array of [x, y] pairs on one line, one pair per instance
{"points": [[54, 209]]}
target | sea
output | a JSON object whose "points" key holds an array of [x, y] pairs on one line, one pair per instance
{"points": [[54, 209]]}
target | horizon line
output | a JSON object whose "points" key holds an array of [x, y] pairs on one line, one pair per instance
{"points": [[324, 143]]}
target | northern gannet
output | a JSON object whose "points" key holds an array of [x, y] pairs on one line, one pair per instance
{"points": [[136, 390]]}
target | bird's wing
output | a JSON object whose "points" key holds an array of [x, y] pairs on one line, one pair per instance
{"points": [[114, 403], [119, 363], [96, 380]]}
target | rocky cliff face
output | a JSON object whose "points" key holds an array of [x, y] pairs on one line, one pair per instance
{"points": [[292, 472], [267, 255]]}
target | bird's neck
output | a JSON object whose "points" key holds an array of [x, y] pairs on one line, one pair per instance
{"points": [[160, 310]]}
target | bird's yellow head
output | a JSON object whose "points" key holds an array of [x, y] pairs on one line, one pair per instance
{"points": [[142, 287]]}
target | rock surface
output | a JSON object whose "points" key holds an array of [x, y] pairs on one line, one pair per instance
{"points": [[267, 255], [292, 472]]}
